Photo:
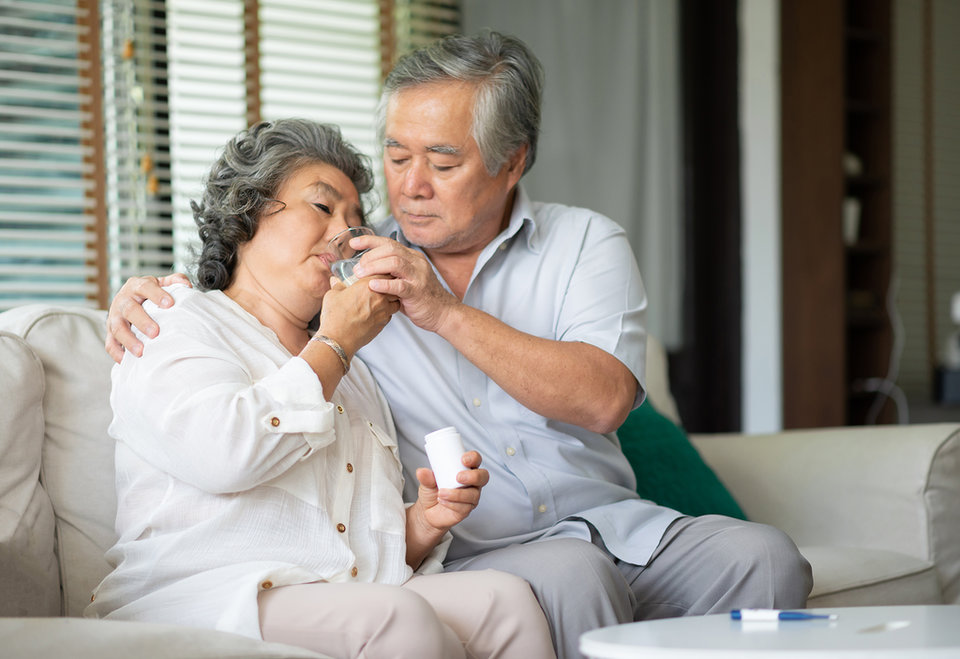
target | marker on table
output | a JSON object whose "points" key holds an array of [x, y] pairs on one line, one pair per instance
{"points": [[774, 614]]}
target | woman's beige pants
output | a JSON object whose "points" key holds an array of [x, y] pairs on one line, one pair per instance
{"points": [[443, 616]]}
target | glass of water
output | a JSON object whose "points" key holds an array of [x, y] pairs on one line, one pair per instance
{"points": [[346, 256]]}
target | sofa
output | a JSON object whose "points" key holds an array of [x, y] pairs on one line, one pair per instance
{"points": [[875, 510]]}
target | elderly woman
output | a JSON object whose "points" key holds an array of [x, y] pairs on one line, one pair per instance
{"points": [[258, 484]]}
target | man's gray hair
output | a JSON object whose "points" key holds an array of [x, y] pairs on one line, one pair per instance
{"points": [[509, 82]]}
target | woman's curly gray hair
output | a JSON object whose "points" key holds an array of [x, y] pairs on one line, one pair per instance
{"points": [[244, 181]]}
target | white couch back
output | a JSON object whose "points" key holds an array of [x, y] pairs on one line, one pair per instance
{"points": [[59, 414]]}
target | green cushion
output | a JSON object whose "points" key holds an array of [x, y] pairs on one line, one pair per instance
{"points": [[669, 468]]}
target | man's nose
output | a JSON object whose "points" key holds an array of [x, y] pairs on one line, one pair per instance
{"points": [[416, 181]]}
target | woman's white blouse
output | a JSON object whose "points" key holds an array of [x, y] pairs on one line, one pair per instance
{"points": [[235, 475]]}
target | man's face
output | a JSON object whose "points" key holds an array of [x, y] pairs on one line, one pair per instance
{"points": [[440, 192]]}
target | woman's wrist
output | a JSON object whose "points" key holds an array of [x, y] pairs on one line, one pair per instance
{"points": [[336, 347]]}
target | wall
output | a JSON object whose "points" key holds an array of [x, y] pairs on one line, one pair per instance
{"points": [[762, 408], [610, 130]]}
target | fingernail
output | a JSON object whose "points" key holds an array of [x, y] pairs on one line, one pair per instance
{"points": [[166, 301], [359, 271]]}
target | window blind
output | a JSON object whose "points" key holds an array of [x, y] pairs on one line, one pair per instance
{"points": [[137, 146], [320, 60], [208, 105], [111, 112], [47, 204], [418, 22]]}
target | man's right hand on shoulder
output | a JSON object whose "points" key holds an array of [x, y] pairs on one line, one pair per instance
{"points": [[127, 309]]}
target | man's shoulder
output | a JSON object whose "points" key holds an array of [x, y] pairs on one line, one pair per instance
{"points": [[558, 218]]}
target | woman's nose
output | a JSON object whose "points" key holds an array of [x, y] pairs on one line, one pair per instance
{"points": [[337, 224]]}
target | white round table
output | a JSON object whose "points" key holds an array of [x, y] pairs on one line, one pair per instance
{"points": [[858, 632]]}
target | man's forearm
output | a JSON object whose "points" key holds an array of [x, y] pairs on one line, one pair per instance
{"points": [[568, 381]]}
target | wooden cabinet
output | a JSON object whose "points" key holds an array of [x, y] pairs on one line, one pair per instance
{"points": [[835, 103], [867, 207]]}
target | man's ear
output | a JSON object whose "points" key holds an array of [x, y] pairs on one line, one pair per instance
{"points": [[515, 165]]}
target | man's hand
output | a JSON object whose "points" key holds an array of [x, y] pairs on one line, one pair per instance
{"points": [[127, 309], [408, 277]]}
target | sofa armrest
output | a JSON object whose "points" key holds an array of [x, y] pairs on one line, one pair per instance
{"points": [[894, 488]]}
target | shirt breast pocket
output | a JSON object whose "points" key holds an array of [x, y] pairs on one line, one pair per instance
{"points": [[388, 513]]}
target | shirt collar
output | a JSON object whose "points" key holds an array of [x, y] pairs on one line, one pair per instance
{"points": [[521, 220]]}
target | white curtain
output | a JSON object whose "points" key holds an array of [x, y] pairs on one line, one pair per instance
{"points": [[610, 137]]}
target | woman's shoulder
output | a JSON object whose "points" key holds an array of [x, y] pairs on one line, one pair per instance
{"points": [[191, 307]]}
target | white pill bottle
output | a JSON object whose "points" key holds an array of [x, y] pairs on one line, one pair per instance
{"points": [[445, 452]]}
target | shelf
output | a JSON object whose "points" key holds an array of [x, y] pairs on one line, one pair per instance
{"points": [[843, 86], [860, 107], [862, 35], [866, 319], [867, 181], [866, 249]]}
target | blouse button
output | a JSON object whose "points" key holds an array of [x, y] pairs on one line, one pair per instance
{"points": [[341, 528], [476, 402], [542, 508], [339, 409], [274, 422], [267, 585], [349, 468], [354, 571], [511, 450]]}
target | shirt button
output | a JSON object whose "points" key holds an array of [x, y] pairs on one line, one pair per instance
{"points": [[93, 597], [511, 450], [542, 508], [341, 528], [349, 468], [476, 402], [267, 585], [339, 409], [354, 571], [274, 422]]}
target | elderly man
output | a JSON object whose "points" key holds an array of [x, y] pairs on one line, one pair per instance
{"points": [[522, 325]]}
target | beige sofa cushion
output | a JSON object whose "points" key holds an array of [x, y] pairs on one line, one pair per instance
{"points": [[30, 638], [28, 566], [77, 467], [855, 576], [881, 488]]}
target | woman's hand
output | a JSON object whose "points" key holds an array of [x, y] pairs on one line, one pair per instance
{"points": [[127, 309], [353, 315], [436, 510]]}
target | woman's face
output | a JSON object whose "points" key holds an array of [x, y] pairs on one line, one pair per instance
{"points": [[288, 254]]}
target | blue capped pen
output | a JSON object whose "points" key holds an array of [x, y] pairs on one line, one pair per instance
{"points": [[774, 614]]}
